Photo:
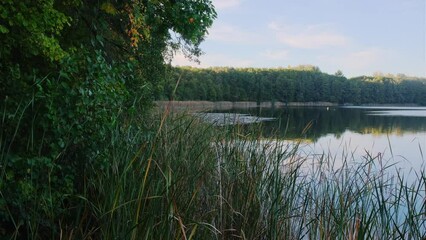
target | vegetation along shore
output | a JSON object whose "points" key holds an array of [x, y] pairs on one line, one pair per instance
{"points": [[300, 84], [84, 154]]}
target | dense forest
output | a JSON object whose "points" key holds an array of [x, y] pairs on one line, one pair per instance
{"points": [[297, 84]]}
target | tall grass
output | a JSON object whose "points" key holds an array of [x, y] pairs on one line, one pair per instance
{"points": [[192, 181], [188, 180]]}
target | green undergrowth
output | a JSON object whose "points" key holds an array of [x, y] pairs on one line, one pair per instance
{"points": [[180, 178]]}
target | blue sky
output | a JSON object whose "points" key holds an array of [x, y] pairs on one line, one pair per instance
{"points": [[358, 37]]}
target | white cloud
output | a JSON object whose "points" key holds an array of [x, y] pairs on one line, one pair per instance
{"points": [[308, 36], [274, 26], [367, 58], [213, 60], [275, 55], [313, 40], [222, 4], [231, 34], [180, 60], [365, 61], [226, 60]]}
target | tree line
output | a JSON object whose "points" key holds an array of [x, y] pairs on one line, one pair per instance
{"points": [[298, 84]]}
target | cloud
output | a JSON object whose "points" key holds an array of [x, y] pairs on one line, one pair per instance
{"points": [[223, 4], [212, 60], [274, 26], [232, 34], [275, 55], [365, 56], [364, 61], [180, 60], [308, 36], [313, 40]]}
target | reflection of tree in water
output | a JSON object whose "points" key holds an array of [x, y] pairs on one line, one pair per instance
{"points": [[291, 122]]}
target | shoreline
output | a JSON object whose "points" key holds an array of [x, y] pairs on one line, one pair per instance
{"points": [[228, 105]]}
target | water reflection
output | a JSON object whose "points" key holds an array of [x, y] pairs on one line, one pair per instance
{"points": [[395, 136], [402, 113], [225, 119], [314, 123], [405, 152]]}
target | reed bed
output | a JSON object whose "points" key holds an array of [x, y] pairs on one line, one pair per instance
{"points": [[188, 180]]}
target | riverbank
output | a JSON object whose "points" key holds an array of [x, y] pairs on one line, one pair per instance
{"points": [[197, 106], [225, 105]]}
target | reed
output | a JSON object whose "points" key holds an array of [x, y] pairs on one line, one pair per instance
{"points": [[185, 179]]}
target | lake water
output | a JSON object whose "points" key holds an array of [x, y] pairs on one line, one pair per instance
{"points": [[394, 135]]}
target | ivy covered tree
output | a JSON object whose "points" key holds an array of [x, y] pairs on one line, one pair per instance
{"points": [[73, 72]]}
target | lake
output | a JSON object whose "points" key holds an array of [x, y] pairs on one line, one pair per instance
{"points": [[395, 136]]}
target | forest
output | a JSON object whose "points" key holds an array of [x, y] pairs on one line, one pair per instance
{"points": [[303, 83]]}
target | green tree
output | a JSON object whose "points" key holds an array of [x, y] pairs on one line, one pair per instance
{"points": [[339, 73], [72, 72], [304, 83]]}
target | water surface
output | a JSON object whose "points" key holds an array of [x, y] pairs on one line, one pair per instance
{"points": [[393, 136]]}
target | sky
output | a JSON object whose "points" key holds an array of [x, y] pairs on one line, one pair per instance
{"points": [[358, 37]]}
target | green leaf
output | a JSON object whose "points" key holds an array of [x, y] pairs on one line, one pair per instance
{"points": [[3, 29]]}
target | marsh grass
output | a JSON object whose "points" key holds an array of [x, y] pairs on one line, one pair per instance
{"points": [[185, 179]]}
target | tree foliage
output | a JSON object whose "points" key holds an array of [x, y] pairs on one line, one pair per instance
{"points": [[31, 28], [73, 72], [300, 84]]}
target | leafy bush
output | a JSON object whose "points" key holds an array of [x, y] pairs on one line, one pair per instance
{"points": [[54, 134]]}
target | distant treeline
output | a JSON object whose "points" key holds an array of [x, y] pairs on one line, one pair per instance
{"points": [[300, 84]]}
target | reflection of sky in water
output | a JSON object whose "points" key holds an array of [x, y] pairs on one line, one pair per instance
{"points": [[398, 134], [386, 107], [406, 151], [402, 113]]}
